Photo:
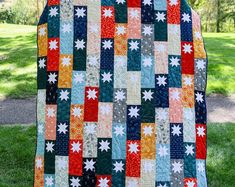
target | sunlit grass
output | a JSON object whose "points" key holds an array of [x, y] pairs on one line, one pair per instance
{"points": [[9, 30], [221, 54], [17, 61]]}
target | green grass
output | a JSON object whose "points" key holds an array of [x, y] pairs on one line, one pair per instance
{"points": [[18, 61], [17, 150], [220, 155], [221, 54]]}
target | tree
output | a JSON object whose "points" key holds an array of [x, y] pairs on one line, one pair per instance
{"points": [[216, 15]]}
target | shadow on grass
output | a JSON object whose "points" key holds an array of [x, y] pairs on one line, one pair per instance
{"points": [[20, 50], [17, 148], [220, 156], [18, 76], [24, 84], [221, 63]]}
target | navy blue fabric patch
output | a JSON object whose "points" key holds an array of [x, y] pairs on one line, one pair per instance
{"points": [[147, 12], [89, 177], [186, 26], [200, 107], [176, 138], [161, 90], [133, 122], [62, 138], [107, 54], [44, 16]]}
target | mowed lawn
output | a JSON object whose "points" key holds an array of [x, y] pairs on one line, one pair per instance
{"points": [[18, 61], [17, 151], [220, 48]]}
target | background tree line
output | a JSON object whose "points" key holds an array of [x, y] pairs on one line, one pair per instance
{"points": [[216, 15], [25, 12]]}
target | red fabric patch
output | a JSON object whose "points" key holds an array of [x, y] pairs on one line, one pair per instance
{"points": [[133, 158], [187, 55], [91, 104], [200, 141], [53, 2], [190, 182], [134, 3], [53, 56], [107, 22], [75, 157], [103, 179], [173, 13]]}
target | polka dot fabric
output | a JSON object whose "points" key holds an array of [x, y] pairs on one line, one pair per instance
{"points": [[121, 95]]}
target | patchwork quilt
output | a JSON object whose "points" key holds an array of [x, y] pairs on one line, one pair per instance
{"points": [[121, 95]]}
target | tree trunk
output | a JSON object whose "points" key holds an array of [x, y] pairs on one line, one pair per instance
{"points": [[38, 10], [234, 22], [218, 17]]}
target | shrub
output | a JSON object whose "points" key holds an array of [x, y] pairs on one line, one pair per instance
{"points": [[6, 15], [19, 12]]}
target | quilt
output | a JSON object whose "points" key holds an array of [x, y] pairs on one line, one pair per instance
{"points": [[120, 94]]}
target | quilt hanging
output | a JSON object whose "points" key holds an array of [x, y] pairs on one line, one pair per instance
{"points": [[121, 95]]}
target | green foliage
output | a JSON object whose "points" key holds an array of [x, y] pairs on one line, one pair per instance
{"points": [[25, 15], [6, 15], [21, 11], [216, 15]]}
